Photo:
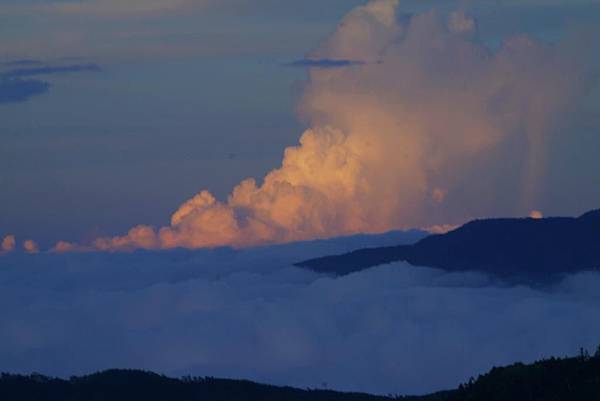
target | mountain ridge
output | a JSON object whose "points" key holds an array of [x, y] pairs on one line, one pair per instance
{"points": [[500, 246], [566, 379]]}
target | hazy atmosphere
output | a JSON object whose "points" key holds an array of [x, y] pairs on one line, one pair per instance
{"points": [[337, 194], [249, 314]]}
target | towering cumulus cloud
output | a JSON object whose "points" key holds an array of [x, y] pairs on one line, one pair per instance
{"points": [[416, 132], [8, 244]]}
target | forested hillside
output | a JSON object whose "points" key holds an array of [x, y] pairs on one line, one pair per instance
{"points": [[567, 379]]}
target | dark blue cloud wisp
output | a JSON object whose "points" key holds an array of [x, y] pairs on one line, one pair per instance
{"points": [[46, 70], [324, 63], [17, 86], [20, 90]]}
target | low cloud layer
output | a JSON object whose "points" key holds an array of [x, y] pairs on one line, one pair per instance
{"points": [[250, 314]]}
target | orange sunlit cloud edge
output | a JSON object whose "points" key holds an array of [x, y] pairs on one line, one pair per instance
{"points": [[401, 140]]}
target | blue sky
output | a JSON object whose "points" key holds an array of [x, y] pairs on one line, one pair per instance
{"points": [[183, 90]]}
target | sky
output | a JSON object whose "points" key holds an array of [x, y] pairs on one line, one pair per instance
{"points": [[129, 109], [136, 134]]}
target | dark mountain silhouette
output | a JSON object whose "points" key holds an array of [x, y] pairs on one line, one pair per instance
{"points": [[568, 379], [135, 385], [506, 247]]}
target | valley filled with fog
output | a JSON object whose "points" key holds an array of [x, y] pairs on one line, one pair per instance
{"points": [[250, 314]]}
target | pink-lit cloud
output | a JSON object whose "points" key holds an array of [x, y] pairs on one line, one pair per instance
{"points": [[8, 243], [30, 246], [410, 137], [536, 214]]}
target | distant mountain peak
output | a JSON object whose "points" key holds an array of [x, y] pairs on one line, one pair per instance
{"points": [[543, 249], [592, 214]]}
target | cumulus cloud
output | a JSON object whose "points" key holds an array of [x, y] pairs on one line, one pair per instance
{"points": [[250, 314], [64, 246], [441, 228], [8, 243], [415, 135], [536, 214], [30, 246]]}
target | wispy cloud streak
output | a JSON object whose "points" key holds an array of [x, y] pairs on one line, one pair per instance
{"points": [[17, 86], [21, 90], [323, 63], [48, 70]]}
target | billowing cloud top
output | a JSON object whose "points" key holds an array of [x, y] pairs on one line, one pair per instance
{"points": [[415, 133], [8, 243]]}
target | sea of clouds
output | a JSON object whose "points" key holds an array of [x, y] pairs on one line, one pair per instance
{"points": [[250, 314]]}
